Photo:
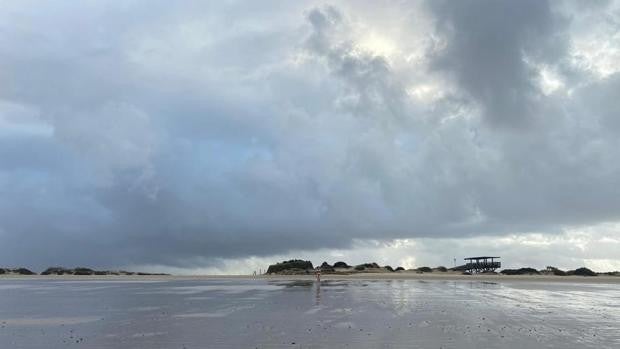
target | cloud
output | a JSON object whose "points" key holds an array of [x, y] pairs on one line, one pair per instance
{"points": [[491, 48], [594, 247], [186, 135]]}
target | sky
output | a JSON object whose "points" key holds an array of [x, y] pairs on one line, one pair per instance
{"points": [[220, 137]]}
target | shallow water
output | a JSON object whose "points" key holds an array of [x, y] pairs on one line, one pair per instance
{"points": [[241, 313]]}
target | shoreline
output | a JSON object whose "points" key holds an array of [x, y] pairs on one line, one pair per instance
{"points": [[601, 279]]}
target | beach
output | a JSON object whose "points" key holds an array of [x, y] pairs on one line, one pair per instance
{"points": [[397, 310]]}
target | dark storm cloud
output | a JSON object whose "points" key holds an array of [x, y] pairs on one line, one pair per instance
{"points": [[488, 43], [176, 135]]}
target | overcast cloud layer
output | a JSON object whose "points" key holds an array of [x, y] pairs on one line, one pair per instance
{"points": [[223, 135]]}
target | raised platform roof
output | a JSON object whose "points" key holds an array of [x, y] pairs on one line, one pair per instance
{"points": [[483, 257]]}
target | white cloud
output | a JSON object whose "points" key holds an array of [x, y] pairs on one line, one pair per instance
{"points": [[594, 247]]}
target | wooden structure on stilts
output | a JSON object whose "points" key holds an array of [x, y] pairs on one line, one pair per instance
{"points": [[481, 264]]}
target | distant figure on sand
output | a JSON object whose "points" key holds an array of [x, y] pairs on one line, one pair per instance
{"points": [[317, 272]]}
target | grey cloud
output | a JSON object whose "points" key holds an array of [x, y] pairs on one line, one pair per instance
{"points": [[488, 43], [173, 137], [597, 100]]}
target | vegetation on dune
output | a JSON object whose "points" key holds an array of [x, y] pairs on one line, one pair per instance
{"points": [[88, 271], [520, 271], [299, 266], [56, 271], [365, 266], [288, 265], [341, 265], [83, 271], [582, 272], [20, 271], [326, 268], [612, 273], [556, 271], [23, 271], [371, 265]]}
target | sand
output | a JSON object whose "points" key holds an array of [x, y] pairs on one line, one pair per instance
{"points": [[360, 311]]}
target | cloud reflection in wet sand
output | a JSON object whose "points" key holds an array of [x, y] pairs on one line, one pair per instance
{"points": [[354, 313]]}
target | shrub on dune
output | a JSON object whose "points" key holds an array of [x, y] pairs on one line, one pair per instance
{"points": [[521, 271], [582, 272], [341, 265], [291, 264]]}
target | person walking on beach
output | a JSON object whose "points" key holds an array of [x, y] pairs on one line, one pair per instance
{"points": [[317, 272]]}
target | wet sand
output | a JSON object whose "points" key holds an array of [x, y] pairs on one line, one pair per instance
{"points": [[357, 312]]}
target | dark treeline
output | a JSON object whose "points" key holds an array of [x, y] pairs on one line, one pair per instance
{"points": [[74, 271], [299, 266]]}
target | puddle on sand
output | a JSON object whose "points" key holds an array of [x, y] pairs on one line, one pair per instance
{"points": [[49, 321]]}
